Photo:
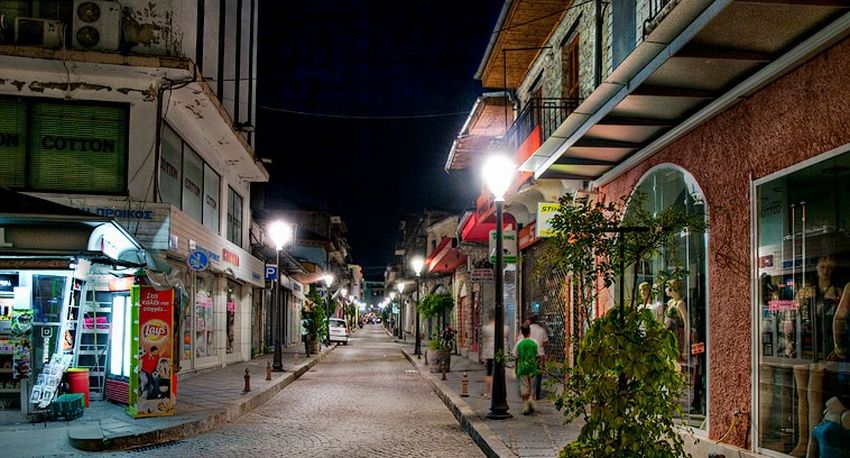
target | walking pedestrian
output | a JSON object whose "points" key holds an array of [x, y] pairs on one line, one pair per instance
{"points": [[305, 333], [538, 333], [526, 367]]}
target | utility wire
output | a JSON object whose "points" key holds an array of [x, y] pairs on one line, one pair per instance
{"points": [[367, 117]]}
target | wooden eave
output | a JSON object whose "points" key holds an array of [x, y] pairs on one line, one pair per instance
{"points": [[526, 24]]}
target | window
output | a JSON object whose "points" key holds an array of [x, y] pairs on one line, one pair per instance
{"points": [[569, 69], [234, 296], [803, 275], [187, 182], [234, 217], [40, 141], [681, 303], [204, 317]]}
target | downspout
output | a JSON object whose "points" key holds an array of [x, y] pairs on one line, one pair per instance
{"points": [[167, 85], [598, 45]]}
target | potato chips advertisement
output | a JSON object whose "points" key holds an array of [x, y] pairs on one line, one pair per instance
{"points": [[152, 380]]}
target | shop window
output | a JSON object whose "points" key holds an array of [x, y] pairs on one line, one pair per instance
{"points": [[234, 217], [193, 183], [234, 296], [212, 196], [680, 302], [803, 278], [204, 317], [170, 167]]}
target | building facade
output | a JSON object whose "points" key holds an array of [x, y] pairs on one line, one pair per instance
{"points": [[142, 112]]}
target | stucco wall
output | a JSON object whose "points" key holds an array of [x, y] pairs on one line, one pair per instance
{"points": [[797, 117]]}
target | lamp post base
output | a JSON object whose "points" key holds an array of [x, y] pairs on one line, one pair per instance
{"points": [[494, 415]]}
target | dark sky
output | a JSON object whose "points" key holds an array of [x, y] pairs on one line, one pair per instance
{"points": [[364, 60]]}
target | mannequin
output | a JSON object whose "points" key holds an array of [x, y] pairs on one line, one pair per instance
{"points": [[676, 315], [833, 433]]}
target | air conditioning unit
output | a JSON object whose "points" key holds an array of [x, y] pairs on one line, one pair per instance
{"points": [[38, 32], [97, 25]]}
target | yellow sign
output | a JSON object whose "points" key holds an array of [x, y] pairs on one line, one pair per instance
{"points": [[545, 212]]}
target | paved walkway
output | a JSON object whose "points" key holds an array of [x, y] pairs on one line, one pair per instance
{"points": [[205, 401], [209, 400], [541, 434]]}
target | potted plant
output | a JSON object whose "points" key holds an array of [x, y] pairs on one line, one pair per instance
{"points": [[313, 315], [439, 354], [626, 380]]}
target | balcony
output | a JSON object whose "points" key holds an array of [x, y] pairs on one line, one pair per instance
{"points": [[657, 9], [537, 121]]}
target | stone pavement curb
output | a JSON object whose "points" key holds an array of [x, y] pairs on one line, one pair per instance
{"points": [[489, 442], [91, 437]]}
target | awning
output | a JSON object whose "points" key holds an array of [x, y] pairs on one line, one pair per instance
{"points": [[477, 227], [488, 121], [446, 257]]}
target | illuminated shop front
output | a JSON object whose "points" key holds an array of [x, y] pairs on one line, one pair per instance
{"points": [[803, 298]]}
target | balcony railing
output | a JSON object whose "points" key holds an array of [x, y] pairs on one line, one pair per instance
{"points": [[654, 14], [548, 113]]}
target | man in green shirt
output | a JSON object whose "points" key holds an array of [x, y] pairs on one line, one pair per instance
{"points": [[526, 367]]}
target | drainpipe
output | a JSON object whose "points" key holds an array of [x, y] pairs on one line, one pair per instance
{"points": [[167, 85], [598, 63]]}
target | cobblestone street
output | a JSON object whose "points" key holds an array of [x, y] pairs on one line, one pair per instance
{"points": [[364, 400]]}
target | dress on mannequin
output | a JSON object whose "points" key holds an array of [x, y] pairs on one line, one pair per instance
{"points": [[676, 316]]}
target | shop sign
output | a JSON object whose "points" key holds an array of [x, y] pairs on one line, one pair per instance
{"points": [[698, 348], [481, 274], [8, 282], [3, 242], [198, 260], [509, 246], [546, 211], [230, 257], [781, 305], [151, 375]]}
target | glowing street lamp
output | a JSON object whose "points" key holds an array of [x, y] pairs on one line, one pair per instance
{"points": [[280, 234], [498, 172], [417, 263]]}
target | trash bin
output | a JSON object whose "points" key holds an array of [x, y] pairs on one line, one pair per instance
{"points": [[78, 382]]}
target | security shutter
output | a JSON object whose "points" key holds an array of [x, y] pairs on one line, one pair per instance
{"points": [[13, 143], [78, 148]]}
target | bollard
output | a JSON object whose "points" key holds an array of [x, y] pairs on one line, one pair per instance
{"points": [[444, 371], [464, 386], [247, 381], [268, 370]]}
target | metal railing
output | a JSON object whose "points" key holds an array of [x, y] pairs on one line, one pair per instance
{"points": [[548, 113], [656, 7]]}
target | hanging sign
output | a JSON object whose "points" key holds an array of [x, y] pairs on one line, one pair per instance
{"points": [[198, 260], [481, 274], [152, 380], [509, 246], [545, 212]]}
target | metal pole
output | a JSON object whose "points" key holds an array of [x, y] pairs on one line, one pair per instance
{"points": [[499, 402], [417, 348], [277, 363]]}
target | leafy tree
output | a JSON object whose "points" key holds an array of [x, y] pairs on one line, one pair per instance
{"points": [[435, 304], [626, 381]]}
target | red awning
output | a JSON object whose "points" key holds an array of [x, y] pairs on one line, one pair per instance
{"points": [[445, 258], [477, 228]]}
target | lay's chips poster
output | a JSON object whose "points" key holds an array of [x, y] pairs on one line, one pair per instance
{"points": [[152, 380]]}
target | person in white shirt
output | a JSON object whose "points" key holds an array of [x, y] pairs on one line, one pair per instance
{"points": [[540, 336]]}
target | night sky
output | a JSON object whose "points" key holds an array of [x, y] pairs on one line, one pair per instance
{"points": [[331, 73]]}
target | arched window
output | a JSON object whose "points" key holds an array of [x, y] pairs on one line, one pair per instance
{"points": [[680, 302]]}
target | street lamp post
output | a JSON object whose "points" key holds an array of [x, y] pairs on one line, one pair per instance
{"points": [[400, 287], [498, 174], [417, 263], [280, 233], [328, 279], [398, 320]]}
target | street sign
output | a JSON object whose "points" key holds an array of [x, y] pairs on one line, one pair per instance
{"points": [[271, 272], [198, 260], [508, 246]]}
